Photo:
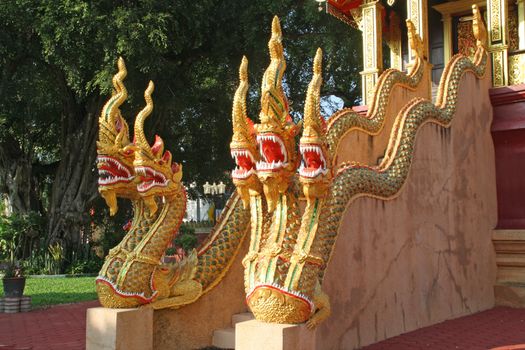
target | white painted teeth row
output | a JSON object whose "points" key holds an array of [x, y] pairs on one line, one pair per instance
{"points": [[144, 171], [312, 173], [241, 152], [101, 159], [267, 137], [306, 148], [109, 179], [144, 186], [240, 173], [316, 149], [268, 166]]}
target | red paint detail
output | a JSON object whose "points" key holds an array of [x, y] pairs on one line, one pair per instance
{"points": [[118, 124], [141, 299], [251, 128], [175, 167], [272, 151], [312, 160], [167, 156], [344, 6], [242, 161], [158, 145], [127, 226], [508, 134], [114, 171]]}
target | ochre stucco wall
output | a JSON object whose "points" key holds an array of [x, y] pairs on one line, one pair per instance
{"points": [[363, 148], [192, 326], [425, 256]]}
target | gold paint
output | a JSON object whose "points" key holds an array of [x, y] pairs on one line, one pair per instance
{"points": [[291, 266], [243, 138], [272, 306], [498, 43], [417, 13], [346, 120], [135, 262], [372, 47]]}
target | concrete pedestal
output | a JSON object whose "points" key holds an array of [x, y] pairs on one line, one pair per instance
{"points": [[119, 329], [256, 335]]}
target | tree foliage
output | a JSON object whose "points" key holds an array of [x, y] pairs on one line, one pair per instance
{"points": [[56, 63]]}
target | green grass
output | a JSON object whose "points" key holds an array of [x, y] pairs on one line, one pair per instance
{"points": [[50, 291]]}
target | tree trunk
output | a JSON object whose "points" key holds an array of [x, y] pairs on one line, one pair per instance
{"points": [[16, 178], [74, 187]]}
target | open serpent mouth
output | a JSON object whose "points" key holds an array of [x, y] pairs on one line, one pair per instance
{"points": [[111, 171], [245, 163], [273, 153], [313, 163], [150, 178]]}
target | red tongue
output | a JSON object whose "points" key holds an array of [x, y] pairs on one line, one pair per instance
{"points": [[313, 161], [244, 162], [272, 151]]}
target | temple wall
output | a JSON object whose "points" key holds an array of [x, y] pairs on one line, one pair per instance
{"points": [[192, 326], [425, 256], [363, 148]]}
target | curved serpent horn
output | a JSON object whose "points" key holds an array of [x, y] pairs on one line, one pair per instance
{"points": [[139, 137]]}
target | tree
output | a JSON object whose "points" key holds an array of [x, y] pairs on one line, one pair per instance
{"points": [[56, 63]]}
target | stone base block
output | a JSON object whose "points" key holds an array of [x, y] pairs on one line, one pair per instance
{"points": [[119, 329], [512, 295], [256, 335]]}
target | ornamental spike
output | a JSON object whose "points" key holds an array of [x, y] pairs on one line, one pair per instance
{"points": [[274, 106], [275, 44], [108, 118], [140, 138], [478, 27], [239, 115], [312, 107]]}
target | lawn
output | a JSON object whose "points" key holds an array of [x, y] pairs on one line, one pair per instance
{"points": [[50, 291]]}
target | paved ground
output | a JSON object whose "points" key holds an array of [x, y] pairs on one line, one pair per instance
{"points": [[56, 328], [63, 328], [500, 328]]}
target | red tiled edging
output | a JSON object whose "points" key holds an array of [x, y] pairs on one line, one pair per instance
{"points": [[59, 327]]}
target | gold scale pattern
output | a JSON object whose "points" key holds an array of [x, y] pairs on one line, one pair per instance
{"points": [[385, 181], [280, 305], [346, 120], [135, 261]]}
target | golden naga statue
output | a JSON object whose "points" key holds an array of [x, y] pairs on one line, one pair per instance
{"points": [[274, 292], [416, 44], [289, 250], [132, 274]]}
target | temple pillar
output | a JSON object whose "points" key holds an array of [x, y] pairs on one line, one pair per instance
{"points": [[372, 47], [447, 37], [394, 41], [521, 23], [498, 40], [417, 12]]}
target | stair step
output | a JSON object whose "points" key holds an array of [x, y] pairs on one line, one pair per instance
{"points": [[224, 338], [245, 316]]}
